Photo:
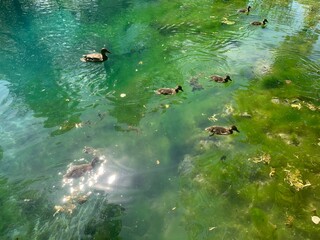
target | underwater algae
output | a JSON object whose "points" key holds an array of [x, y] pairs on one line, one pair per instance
{"points": [[270, 191], [261, 183]]}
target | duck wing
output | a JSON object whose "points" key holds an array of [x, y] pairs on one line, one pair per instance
{"points": [[256, 23], [78, 171], [217, 78], [92, 57], [165, 91], [218, 130]]}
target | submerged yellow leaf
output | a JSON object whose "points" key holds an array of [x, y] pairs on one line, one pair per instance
{"points": [[272, 172], [264, 158], [315, 219], [293, 177], [296, 105], [228, 22]]}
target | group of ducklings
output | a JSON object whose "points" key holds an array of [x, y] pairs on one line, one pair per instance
{"points": [[102, 56], [215, 129], [256, 23]]}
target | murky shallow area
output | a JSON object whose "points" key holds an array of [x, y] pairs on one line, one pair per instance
{"points": [[159, 175]]}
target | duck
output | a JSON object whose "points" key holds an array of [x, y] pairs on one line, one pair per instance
{"points": [[220, 79], [221, 130], [244, 10], [169, 91], [96, 57], [257, 23], [77, 171]]}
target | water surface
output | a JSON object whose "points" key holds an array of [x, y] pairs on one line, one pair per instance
{"points": [[160, 174]]}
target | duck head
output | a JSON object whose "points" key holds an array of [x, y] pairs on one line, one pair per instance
{"points": [[94, 161], [228, 78], [249, 7], [178, 88], [265, 21], [104, 51], [234, 128]]}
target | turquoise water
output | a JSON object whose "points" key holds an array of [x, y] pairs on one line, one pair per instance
{"points": [[161, 176]]}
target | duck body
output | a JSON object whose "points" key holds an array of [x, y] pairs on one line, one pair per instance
{"points": [[220, 79], [77, 171], [221, 130], [96, 57], [257, 23], [169, 91], [244, 10]]}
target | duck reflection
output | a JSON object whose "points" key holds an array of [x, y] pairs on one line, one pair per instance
{"points": [[104, 174]]}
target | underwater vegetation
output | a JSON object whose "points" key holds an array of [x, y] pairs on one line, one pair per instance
{"points": [[161, 175], [270, 189]]}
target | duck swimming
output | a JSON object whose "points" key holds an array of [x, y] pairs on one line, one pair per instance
{"points": [[220, 79], [257, 23], [221, 130], [245, 10], [169, 91], [77, 171], [96, 57]]}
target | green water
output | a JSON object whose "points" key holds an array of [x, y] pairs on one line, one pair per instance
{"points": [[161, 176]]}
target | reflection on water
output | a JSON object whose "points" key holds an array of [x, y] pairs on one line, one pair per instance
{"points": [[52, 105]]}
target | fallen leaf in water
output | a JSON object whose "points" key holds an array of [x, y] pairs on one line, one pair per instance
{"points": [[315, 219], [311, 107], [264, 158], [272, 172], [213, 118], [293, 177], [228, 22], [288, 81], [296, 105]]}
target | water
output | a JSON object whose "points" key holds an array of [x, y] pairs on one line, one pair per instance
{"points": [[160, 175]]}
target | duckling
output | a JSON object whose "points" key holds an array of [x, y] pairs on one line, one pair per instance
{"points": [[77, 171], [221, 130], [169, 91], [96, 57], [245, 10], [220, 79], [257, 23]]}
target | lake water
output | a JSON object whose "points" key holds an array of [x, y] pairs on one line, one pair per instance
{"points": [[160, 174]]}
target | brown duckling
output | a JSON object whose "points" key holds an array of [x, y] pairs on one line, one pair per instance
{"points": [[77, 171], [220, 79], [169, 91], [96, 57], [245, 10], [257, 23], [221, 130]]}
